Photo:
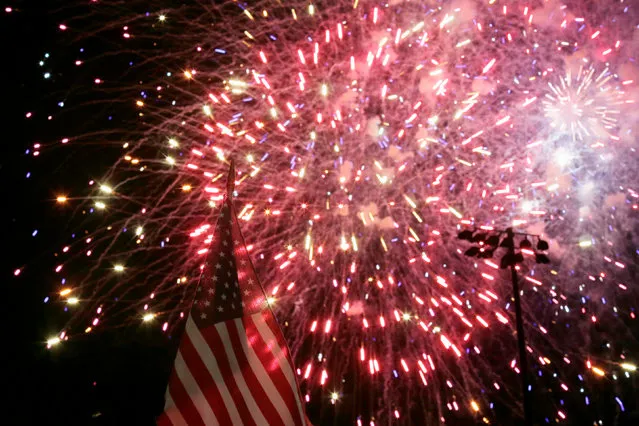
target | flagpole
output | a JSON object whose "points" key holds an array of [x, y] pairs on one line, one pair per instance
{"points": [[230, 180]]}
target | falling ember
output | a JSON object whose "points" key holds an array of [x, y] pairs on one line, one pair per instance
{"points": [[53, 341]]}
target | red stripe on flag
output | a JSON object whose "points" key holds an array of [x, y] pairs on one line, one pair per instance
{"points": [[204, 380], [183, 401], [262, 400], [271, 365], [164, 420], [171, 415], [214, 341]]}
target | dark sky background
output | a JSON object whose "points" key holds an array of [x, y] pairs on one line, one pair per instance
{"points": [[114, 377]]}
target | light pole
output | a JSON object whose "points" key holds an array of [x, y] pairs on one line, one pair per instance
{"points": [[487, 242]]}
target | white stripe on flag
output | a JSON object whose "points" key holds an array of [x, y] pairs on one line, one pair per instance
{"points": [[254, 409], [271, 342], [204, 351], [172, 411], [190, 385], [263, 377]]}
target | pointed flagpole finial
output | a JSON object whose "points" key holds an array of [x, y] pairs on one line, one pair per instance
{"points": [[230, 181]]}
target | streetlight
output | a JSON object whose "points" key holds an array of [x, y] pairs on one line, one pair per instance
{"points": [[486, 242]]}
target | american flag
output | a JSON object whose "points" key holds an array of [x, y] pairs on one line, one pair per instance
{"points": [[233, 365]]}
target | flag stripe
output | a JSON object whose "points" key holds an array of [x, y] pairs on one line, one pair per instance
{"points": [[204, 380], [269, 330], [192, 388], [271, 379], [264, 351], [183, 401], [238, 374], [214, 341], [203, 349], [249, 368], [165, 420], [171, 415]]}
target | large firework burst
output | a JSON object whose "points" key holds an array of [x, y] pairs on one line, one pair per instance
{"points": [[366, 134]]}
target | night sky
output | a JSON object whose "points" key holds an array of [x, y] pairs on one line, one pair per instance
{"points": [[114, 378]]}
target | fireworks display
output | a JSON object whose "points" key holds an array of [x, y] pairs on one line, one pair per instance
{"points": [[366, 135]]}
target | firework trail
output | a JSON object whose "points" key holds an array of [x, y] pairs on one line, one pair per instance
{"points": [[366, 135]]}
